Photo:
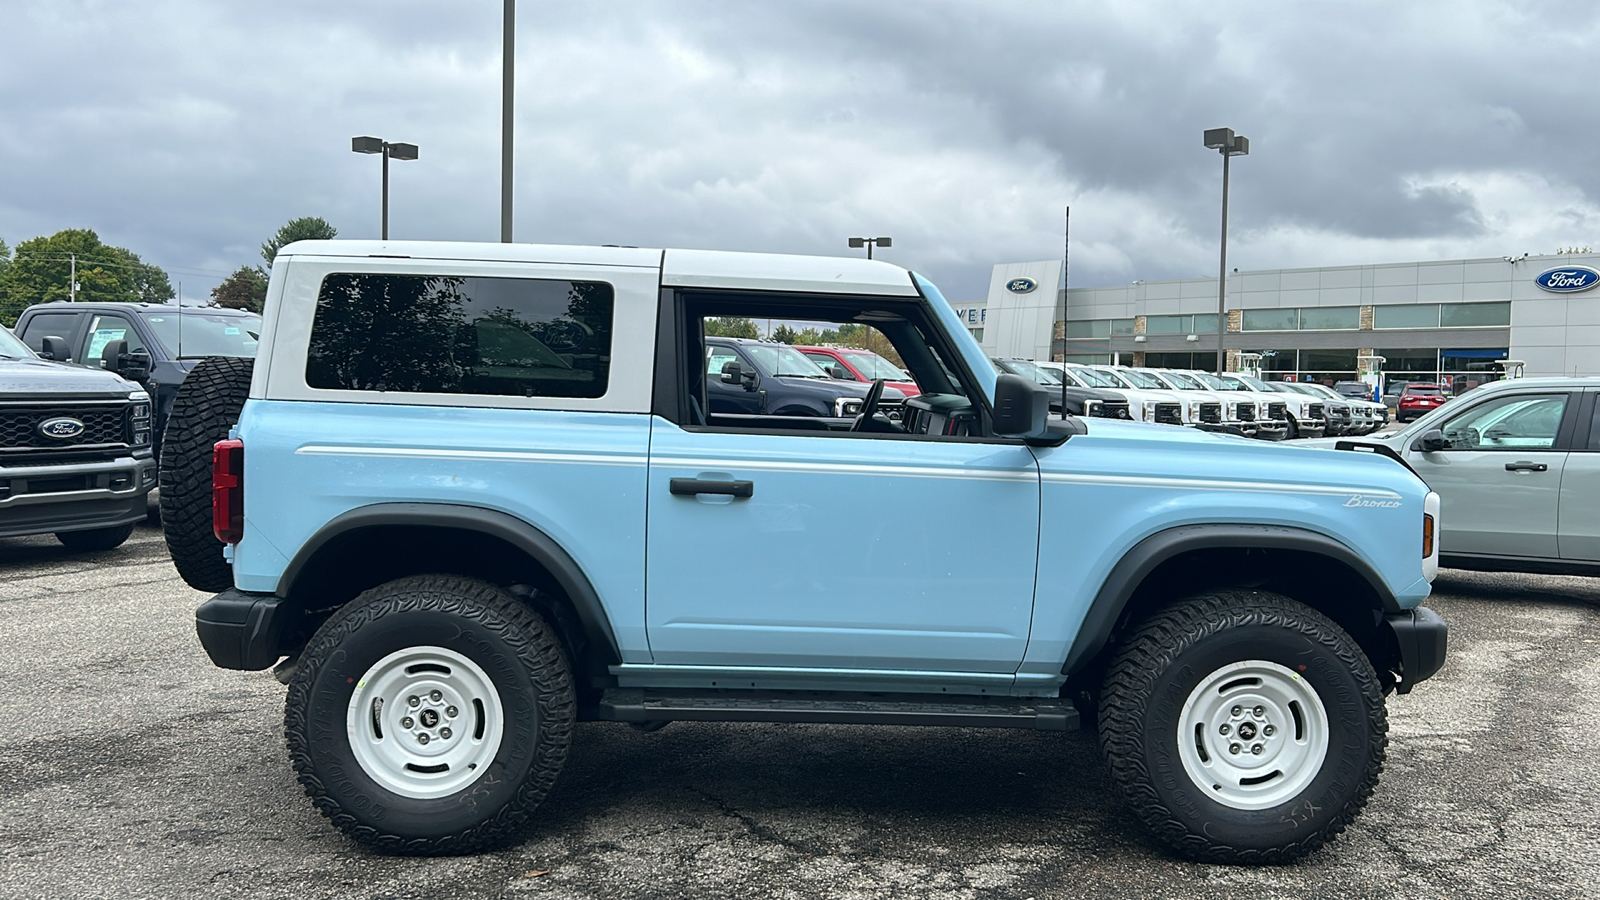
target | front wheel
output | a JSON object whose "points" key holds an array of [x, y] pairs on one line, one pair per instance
{"points": [[1293, 431], [1243, 727], [431, 715]]}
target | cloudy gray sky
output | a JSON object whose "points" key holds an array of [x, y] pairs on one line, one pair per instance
{"points": [[189, 130]]}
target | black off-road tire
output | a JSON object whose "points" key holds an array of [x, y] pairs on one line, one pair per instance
{"points": [[207, 405], [521, 657], [1293, 431], [1175, 650], [95, 539]]}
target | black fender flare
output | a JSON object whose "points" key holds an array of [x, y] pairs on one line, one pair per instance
{"points": [[1118, 588], [542, 548]]}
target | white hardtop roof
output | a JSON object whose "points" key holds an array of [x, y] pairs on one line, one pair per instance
{"points": [[680, 268]]}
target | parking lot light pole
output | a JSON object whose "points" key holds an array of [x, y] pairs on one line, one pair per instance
{"points": [[389, 151], [869, 243], [1224, 141]]}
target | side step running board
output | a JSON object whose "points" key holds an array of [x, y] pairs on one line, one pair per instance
{"points": [[654, 705]]}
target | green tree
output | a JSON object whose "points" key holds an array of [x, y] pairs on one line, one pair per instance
{"points": [[785, 334], [5, 259], [40, 270], [305, 228], [246, 288], [731, 326]]}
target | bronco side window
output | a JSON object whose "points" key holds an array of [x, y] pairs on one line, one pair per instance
{"points": [[447, 334]]}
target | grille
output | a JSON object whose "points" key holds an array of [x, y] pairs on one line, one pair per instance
{"points": [[1315, 411], [1211, 412], [1279, 411], [1107, 409], [894, 410], [1246, 412], [19, 427], [1169, 414]]}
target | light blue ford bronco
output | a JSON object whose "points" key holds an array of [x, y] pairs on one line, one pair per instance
{"points": [[471, 494]]}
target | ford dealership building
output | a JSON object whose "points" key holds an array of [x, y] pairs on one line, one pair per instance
{"points": [[1454, 320]]}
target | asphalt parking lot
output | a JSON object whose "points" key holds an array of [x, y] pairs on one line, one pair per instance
{"points": [[130, 767]]}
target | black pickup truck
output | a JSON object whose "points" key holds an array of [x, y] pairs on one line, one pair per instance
{"points": [[762, 378], [75, 455]]}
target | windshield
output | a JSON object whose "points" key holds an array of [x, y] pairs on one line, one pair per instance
{"points": [[1322, 390], [1140, 379], [1255, 384], [11, 347], [204, 333], [872, 366], [1182, 381], [1094, 378], [1029, 370], [1212, 381], [781, 359]]}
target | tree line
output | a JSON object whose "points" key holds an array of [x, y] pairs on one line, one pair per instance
{"points": [[43, 269]]}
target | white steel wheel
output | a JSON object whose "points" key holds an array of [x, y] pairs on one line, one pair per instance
{"points": [[1253, 734], [425, 722]]}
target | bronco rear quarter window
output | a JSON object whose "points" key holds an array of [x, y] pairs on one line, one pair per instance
{"points": [[447, 334]]}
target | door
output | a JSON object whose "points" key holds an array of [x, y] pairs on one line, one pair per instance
{"points": [[1579, 516], [1499, 476], [101, 342], [849, 551]]}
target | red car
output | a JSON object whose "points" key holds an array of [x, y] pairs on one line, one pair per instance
{"points": [[861, 365], [1418, 398]]}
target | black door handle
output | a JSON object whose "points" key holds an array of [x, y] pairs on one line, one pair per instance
{"points": [[688, 487], [1526, 467]]}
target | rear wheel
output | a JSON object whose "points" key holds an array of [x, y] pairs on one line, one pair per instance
{"points": [[431, 715], [206, 407], [1243, 727], [95, 538]]}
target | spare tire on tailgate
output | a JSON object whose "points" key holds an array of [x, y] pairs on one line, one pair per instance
{"points": [[207, 405]]}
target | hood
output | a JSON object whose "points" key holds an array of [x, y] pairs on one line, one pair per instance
{"points": [[832, 387], [1139, 450], [32, 377]]}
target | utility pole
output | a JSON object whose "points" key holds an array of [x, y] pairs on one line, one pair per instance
{"points": [[72, 280], [508, 87]]}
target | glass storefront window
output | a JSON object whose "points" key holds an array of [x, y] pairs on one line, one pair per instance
{"points": [[1205, 361], [1424, 315], [1330, 318], [1328, 360], [1475, 315], [1409, 360], [1097, 328], [1166, 325], [1121, 327], [1271, 319], [1278, 360], [1089, 359]]}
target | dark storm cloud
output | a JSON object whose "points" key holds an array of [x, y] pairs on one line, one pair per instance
{"points": [[188, 131]]}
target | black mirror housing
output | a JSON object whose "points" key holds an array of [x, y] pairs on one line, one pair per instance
{"points": [[1021, 407], [134, 366], [1429, 441], [732, 373], [52, 347]]}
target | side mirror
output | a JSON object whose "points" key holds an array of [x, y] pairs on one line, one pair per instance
{"points": [[52, 347], [733, 373], [134, 366], [1021, 407], [841, 373], [1429, 441]]}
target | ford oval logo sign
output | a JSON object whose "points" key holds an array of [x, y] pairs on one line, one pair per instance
{"points": [[1021, 285], [62, 428], [1568, 279]]}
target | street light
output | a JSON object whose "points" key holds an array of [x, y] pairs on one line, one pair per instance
{"points": [[389, 151], [1224, 141], [868, 243]]}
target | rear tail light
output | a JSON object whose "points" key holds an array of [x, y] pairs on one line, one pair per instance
{"points": [[227, 491], [1427, 536]]}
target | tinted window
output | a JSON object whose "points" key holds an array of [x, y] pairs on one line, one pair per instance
{"points": [[48, 325], [1508, 423], [105, 337], [450, 334]]}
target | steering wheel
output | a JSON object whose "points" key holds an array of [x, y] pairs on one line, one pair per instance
{"points": [[869, 406]]}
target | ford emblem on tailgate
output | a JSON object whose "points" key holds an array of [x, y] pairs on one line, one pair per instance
{"points": [[1021, 285], [1568, 279], [61, 428]]}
